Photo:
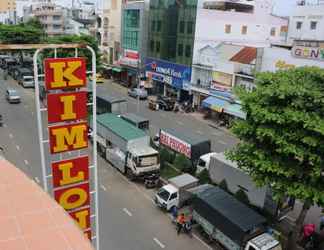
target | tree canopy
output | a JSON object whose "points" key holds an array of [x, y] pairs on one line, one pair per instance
{"points": [[282, 139]]}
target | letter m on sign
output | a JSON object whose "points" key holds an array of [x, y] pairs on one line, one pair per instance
{"points": [[62, 73]]}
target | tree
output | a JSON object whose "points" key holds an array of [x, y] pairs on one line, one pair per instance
{"points": [[182, 163], [282, 139]]}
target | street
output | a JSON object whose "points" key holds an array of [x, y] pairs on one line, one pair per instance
{"points": [[128, 217]]}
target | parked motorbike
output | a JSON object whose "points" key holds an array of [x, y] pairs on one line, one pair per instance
{"points": [[152, 181]]}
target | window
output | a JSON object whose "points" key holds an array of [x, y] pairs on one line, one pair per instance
{"points": [[56, 17], [188, 51], [251, 248], [157, 46], [299, 25], [190, 27], [57, 26], [159, 26], [180, 50], [244, 30], [173, 196], [313, 25], [182, 26], [152, 45], [228, 28], [153, 26], [273, 32]]}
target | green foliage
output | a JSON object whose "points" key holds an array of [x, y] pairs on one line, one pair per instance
{"points": [[203, 177], [282, 139], [182, 163], [223, 185], [164, 156], [242, 196], [20, 34], [33, 22]]}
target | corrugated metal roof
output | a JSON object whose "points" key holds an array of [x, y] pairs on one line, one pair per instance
{"points": [[30, 219], [120, 127], [235, 211], [186, 135], [183, 180], [245, 55], [133, 117]]}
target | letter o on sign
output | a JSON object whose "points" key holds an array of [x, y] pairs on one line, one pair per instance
{"points": [[73, 197]]}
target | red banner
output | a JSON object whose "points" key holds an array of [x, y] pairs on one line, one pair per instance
{"points": [[65, 73], [175, 144], [82, 217], [67, 106], [70, 171]]}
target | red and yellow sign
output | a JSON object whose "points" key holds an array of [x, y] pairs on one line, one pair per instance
{"points": [[63, 73], [71, 176], [67, 106]]}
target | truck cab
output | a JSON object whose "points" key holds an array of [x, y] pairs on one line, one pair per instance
{"points": [[143, 161], [203, 162], [167, 197], [263, 242]]}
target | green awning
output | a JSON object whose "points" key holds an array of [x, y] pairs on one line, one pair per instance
{"points": [[235, 110], [118, 70]]}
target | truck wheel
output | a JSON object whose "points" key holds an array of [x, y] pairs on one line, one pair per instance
{"points": [[130, 175]]}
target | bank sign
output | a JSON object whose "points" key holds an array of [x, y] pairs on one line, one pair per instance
{"points": [[173, 74], [68, 131], [308, 52]]}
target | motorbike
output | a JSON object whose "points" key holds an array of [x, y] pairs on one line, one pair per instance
{"points": [[151, 181]]}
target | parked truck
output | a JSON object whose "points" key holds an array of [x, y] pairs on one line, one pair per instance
{"points": [[234, 225], [221, 169], [183, 142], [137, 121], [176, 193], [111, 104], [126, 147]]}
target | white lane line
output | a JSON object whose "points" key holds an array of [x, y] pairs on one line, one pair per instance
{"points": [[5, 125], [26, 162], [202, 242], [222, 142], [37, 180], [17, 147], [127, 212], [159, 243], [103, 187], [10, 135]]}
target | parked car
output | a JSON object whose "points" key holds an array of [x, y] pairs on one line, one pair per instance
{"points": [[137, 92], [12, 96], [99, 78], [165, 103]]}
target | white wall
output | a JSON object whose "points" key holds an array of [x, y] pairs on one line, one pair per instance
{"points": [[278, 58], [306, 14]]}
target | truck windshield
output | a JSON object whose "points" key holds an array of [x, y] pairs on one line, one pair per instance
{"points": [[163, 194], [150, 160]]}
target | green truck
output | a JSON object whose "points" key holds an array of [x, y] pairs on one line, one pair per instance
{"points": [[126, 147]]}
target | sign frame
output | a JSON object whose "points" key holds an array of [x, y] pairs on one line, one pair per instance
{"points": [[42, 141]]}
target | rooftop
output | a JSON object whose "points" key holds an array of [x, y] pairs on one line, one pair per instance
{"points": [[245, 56]]}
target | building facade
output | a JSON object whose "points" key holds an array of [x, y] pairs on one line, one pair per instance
{"points": [[8, 11], [170, 43], [307, 22]]}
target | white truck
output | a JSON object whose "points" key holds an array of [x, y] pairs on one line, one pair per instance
{"points": [[231, 223], [176, 193], [126, 147], [221, 169]]}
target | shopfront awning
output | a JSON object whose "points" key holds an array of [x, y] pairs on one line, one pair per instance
{"points": [[235, 110], [214, 103], [115, 69]]}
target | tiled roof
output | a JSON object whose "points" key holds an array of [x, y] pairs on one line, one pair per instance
{"points": [[245, 55], [31, 219]]}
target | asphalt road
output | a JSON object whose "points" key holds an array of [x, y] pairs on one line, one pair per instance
{"points": [[220, 139], [128, 218]]}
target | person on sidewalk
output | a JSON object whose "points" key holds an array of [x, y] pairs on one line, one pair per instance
{"points": [[174, 213], [321, 225], [181, 220]]}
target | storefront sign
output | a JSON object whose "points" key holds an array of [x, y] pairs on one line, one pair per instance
{"points": [[175, 144], [283, 65], [174, 74], [131, 54], [68, 131], [308, 52]]}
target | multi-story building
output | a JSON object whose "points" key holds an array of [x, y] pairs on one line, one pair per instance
{"points": [[133, 40], [307, 22], [8, 11], [170, 46], [49, 14]]}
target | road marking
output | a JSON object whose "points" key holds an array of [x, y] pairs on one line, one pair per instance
{"points": [[17, 147], [199, 132], [26, 162], [37, 180], [202, 242], [127, 212], [5, 125], [103, 187], [222, 142], [11, 136], [180, 123], [159, 243]]}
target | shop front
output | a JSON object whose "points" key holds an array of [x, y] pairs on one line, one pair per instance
{"points": [[168, 78], [130, 64]]}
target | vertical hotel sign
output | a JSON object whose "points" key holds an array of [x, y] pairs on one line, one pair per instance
{"points": [[68, 131]]}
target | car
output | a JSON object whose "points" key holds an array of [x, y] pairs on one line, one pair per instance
{"points": [[99, 78], [165, 103], [138, 92], [12, 96]]}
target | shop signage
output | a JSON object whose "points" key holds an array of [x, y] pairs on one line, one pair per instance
{"points": [[130, 58], [174, 74], [175, 144], [68, 131], [308, 52], [132, 54]]}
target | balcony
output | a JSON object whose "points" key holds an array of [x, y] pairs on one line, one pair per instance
{"points": [[245, 70]]}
